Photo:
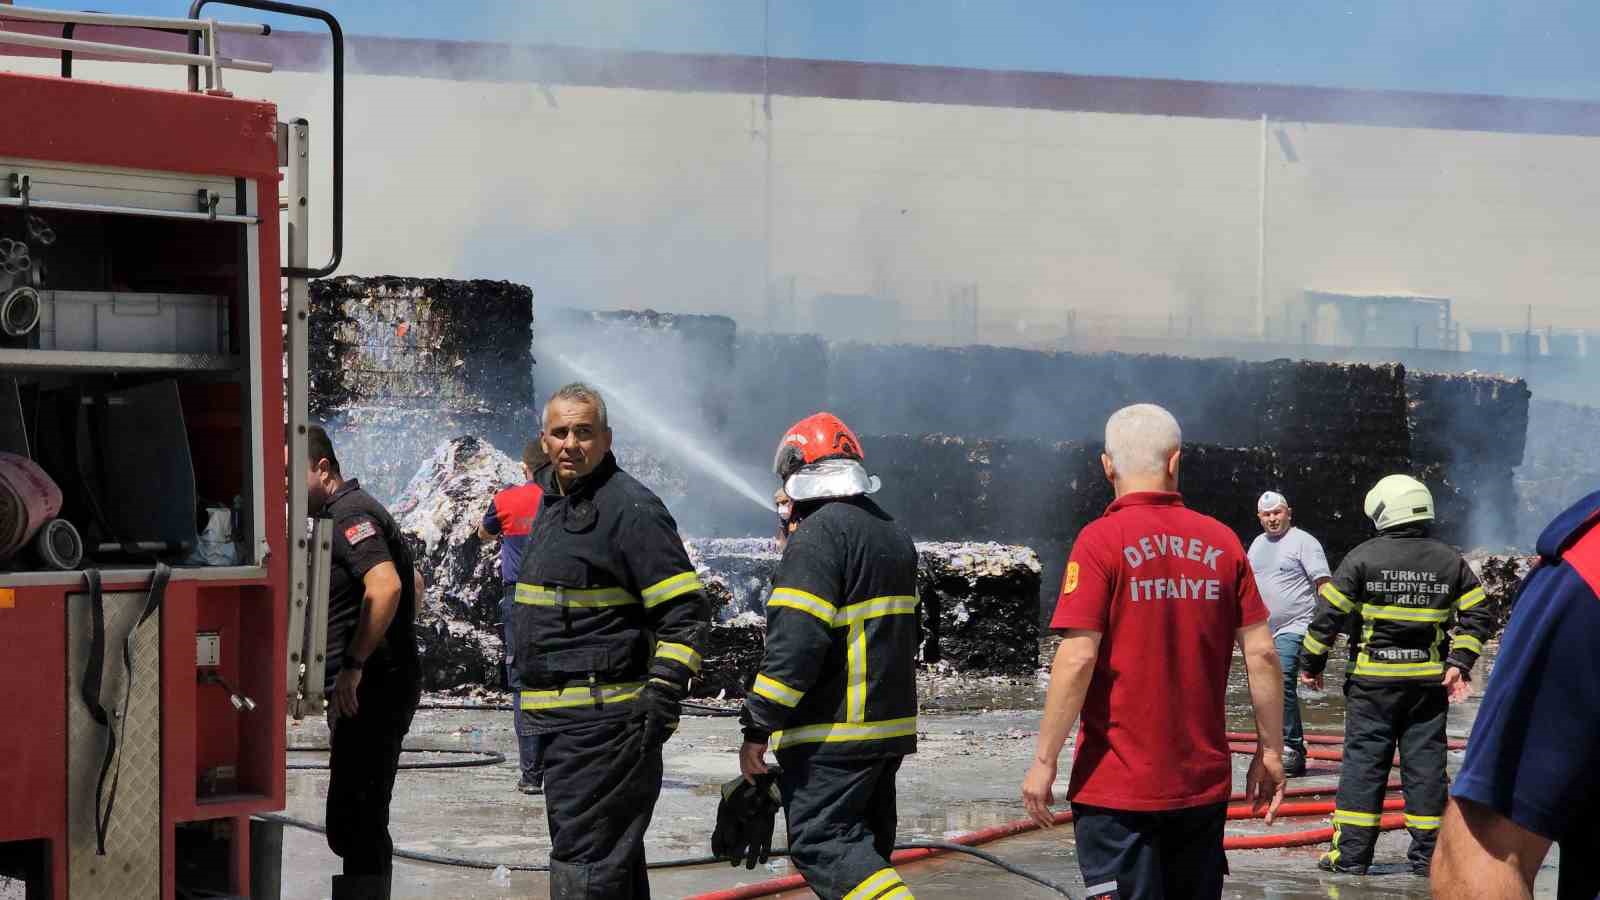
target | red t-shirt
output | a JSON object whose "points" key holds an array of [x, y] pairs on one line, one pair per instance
{"points": [[1168, 589]]}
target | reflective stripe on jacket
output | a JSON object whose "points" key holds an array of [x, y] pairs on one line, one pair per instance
{"points": [[606, 599], [839, 674], [1410, 604]]}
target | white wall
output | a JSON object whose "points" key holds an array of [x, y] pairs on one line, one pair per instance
{"points": [[627, 198]]}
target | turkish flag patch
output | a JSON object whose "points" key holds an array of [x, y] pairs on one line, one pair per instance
{"points": [[359, 532]]}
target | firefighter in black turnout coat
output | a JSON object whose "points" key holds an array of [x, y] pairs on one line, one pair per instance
{"points": [[610, 621], [836, 694], [1398, 596]]}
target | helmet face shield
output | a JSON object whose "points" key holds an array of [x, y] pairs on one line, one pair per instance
{"points": [[831, 479], [788, 459]]}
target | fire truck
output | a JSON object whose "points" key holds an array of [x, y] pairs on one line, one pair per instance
{"points": [[158, 611]]}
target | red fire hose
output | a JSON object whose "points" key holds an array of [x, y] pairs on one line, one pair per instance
{"points": [[1238, 742]]}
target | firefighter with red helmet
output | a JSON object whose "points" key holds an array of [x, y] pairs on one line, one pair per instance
{"points": [[836, 694]]}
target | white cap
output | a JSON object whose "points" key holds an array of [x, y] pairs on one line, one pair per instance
{"points": [[1271, 500]]}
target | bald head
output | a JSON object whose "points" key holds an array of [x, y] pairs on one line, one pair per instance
{"points": [[1141, 439]]}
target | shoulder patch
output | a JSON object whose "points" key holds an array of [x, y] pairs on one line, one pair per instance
{"points": [[1070, 582], [360, 531]]}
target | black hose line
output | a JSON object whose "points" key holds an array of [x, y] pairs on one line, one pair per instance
{"points": [[701, 709], [684, 863], [479, 758]]}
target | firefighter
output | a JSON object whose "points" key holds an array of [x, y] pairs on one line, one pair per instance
{"points": [[510, 517], [610, 622], [1398, 596], [836, 694], [373, 678]]}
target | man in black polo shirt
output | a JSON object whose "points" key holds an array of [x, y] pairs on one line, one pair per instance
{"points": [[373, 677]]}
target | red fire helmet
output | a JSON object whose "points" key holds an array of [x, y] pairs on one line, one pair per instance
{"points": [[813, 439]]}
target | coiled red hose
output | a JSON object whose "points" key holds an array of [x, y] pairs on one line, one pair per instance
{"points": [[1238, 742]]}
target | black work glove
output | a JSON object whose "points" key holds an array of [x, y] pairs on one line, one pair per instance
{"points": [[746, 818], [660, 703]]}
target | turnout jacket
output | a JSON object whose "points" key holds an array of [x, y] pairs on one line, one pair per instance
{"points": [[838, 679], [1398, 596], [606, 599]]}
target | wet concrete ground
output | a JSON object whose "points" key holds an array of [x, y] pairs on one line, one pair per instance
{"points": [[966, 775]]}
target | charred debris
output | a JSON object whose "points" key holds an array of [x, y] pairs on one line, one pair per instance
{"points": [[985, 451]]}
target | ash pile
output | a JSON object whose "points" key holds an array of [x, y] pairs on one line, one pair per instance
{"points": [[400, 364]]}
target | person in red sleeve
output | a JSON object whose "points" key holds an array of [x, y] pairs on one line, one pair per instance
{"points": [[510, 518], [1154, 598]]}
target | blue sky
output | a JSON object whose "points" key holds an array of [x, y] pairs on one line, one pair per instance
{"points": [[1536, 48]]}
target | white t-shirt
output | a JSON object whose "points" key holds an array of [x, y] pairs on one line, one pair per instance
{"points": [[1286, 570]]}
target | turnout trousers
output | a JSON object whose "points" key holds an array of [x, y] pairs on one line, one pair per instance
{"points": [[364, 759], [1378, 719], [841, 817], [600, 792]]}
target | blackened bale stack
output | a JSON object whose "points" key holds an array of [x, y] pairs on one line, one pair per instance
{"points": [[400, 364]]}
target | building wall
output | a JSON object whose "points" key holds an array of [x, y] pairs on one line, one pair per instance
{"points": [[1098, 222]]}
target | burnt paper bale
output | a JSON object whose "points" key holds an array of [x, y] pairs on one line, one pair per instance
{"points": [[1469, 419], [979, 606], [458, 618], [1312, 407], [399, 364], [732, 658], [740, 568]]}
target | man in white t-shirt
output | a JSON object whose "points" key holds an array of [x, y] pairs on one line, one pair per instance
{"points": [[1290, 569]]}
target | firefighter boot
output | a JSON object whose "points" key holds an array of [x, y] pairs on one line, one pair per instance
{"points": [[361, 887]]}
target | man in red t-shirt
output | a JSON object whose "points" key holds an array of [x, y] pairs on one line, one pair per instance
{"points": [[1154, 598]]}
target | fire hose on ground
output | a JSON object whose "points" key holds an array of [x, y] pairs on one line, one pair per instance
{"points": [[1238, 742]]}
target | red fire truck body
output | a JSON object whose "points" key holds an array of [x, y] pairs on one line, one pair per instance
{"points": [[163, 319]]}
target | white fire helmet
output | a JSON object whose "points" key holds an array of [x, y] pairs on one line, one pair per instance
{"points": [[1397, 500]]}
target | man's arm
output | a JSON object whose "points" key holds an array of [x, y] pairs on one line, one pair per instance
{"points": [[378, 605], [1475, 621], [1265, 780], [1336, 614], [1482, 854], [1070, 675], [491, 526]]}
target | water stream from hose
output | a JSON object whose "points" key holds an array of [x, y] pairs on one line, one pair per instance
{"points": [[687, 447]]}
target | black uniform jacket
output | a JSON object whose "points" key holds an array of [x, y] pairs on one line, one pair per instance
{"points": [[1399, 596], [606, 599], [839, 676]]}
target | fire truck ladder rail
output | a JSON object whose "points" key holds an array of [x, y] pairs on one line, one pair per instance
{"points": [[205, 30]]}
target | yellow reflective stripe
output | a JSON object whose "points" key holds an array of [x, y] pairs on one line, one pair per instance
{"points": [[682, 653], [1404, 613], [1314, 646], [836, 732], [586, 598], [899, 893], [776, 691], [872, 609], [1471, 598], [580, 695], [874, 884], [1336, 599], [855, 692], [1422, 823], [1466, 642], [670, 589], [1365, 666], [794, 598], [1359, 819]]}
